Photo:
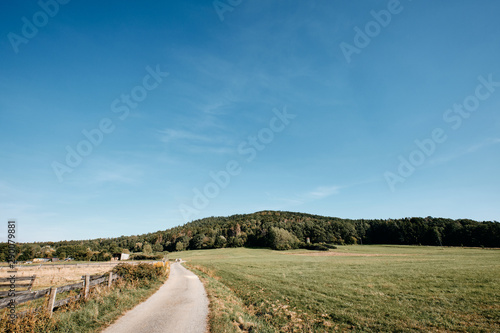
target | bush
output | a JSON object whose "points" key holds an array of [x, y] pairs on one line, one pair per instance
{"points": [[319, 247], [33, 321], [148, 249], [139, 272], [142, 256], [281, 239]]}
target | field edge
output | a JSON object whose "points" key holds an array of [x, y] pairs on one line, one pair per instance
{"points": [[227, 312]]}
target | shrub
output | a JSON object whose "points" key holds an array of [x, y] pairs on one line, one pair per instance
{"points": [[142, 256], [179, 246], [157, 248], [142, 271], [220, 241], [35, 322], [281, 239], [148, 249], [319, 247]]}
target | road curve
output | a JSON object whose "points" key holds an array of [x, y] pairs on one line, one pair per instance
{"points": [[179, 306]]}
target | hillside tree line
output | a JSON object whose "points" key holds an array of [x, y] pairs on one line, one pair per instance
{"points": [[275, 229]]}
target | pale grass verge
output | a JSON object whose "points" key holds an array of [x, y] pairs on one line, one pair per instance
{"points": [[228, 313]]}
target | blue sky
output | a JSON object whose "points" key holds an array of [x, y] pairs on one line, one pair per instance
{"points": [[261, 93]]}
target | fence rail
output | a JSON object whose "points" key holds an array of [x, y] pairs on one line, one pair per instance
{"points": [[5, 266], [4, 302], [85, 285], [25, 282]]}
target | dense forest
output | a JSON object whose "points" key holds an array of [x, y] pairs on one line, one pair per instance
{"points": [[274, 229]]}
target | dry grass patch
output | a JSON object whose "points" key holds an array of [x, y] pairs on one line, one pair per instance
{"points": [[48, 275]]}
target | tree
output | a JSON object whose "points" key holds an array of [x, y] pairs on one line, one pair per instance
{"points": [[47, 251], [114, 248], [281, 239], [77, 252], [147, 249], [138, 247], [89, 255], [62, 255], [158, 247], [220, 241], [179, 246], [197, 241]]}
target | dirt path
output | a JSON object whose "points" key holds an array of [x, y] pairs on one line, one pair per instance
{"points": [[179, 306]]}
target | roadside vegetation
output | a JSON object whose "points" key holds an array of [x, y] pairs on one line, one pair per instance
{"points": [[354, 288], [228, 313], [103, 307]]}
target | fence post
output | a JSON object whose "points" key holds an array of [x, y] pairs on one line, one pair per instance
{"points": [[32, 282], [52, 299], [86, 285], [110, 279]]}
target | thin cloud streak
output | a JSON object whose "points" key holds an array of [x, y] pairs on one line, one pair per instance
{"points": [[466, 151], [323, 192], [170, 135]]}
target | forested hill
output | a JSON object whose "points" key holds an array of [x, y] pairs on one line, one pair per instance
{"points": [[278, 230]]}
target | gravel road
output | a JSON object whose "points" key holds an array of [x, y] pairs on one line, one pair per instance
{"points": [[179, 306]]}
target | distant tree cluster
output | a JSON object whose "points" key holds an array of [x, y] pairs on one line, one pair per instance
{"points": [[274, 229]]}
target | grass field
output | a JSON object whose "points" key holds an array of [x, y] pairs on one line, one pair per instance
{"points": [[362, 288], [52, 275]]}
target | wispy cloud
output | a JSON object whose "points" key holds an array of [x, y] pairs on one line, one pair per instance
{"points": [[216, 108], [197, 143], [170, 135], [102, 171], [323, 192], [298, 199], [317, 193], [211, 150], [124, 176], [466, 151]]}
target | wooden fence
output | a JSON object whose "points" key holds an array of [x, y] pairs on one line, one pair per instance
{"points": [[87, 282], [24, 282], [4, 266]]}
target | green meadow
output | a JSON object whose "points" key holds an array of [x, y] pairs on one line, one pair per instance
{"points": [[354, 288]]}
